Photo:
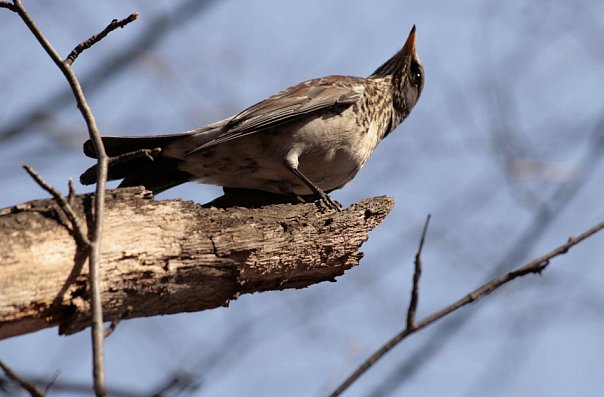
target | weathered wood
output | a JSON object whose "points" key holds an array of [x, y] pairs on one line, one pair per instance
{"points": [[171, 256]]}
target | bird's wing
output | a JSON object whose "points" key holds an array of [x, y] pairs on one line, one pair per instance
{"points": [[288, 105]]}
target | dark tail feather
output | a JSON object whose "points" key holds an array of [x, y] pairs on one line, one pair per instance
{"points": [[141, 164], [116, 145]]}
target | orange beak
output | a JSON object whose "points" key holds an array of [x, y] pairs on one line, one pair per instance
{"points": [[409, 48]]}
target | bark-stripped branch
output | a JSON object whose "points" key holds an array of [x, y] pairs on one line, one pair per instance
{"points": [[172, 256]]}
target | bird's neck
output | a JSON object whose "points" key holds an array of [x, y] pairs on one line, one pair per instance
{"points": [[392, 89], [393, 71], [400, 107]]}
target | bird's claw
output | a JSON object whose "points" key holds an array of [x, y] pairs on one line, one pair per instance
{"points": [[330, 203]]}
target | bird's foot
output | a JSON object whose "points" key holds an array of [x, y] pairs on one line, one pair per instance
{"points": [[322, 196], [329, 202]]}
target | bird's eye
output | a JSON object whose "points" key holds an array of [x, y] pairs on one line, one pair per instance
{"points": [[416, 75]]}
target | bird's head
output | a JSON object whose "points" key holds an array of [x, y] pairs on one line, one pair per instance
{"points": [[406, 71]]}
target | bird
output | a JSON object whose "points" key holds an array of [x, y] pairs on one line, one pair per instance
{"points": [[304, 141]]}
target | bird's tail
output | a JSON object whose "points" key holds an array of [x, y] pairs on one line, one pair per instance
{"points": [[139, 162]]}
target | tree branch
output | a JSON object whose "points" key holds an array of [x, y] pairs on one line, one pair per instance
{"points": [[163, 257], [535, 266], [107, 69], [98, 37], [64, 204], [416, 276], [94, 241], [12, 375], [9, 6]]}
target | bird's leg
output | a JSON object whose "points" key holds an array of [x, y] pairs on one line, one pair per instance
{"points": [[324, 197], [296, 197], [287, 189]]}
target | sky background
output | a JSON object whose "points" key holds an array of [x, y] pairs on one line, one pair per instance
{"points": [[504, 149]]}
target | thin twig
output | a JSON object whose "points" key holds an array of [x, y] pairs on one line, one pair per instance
{"points": [[180, 382], [64, 205], [544, 216], [95, 239], [149, 154], [90, 175], [535, 266], [416, 276], [52, 381], [112, 327], [4, 4], [73, 388], [72, 192], [106, 70], [98, 37], [115, 322], [12, 375]]}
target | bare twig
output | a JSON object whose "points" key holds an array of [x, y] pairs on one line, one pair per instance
{"points": [[52, 381], [112, 327], [72, 192], [90, 175], [544, 216], [180, 382], [12, 375], [95, 137], [4, 4], [416, 276], [73, 388], [535, 266], [98, 37], [64, 205], [109, 68], [116, 321], [149, 154]]}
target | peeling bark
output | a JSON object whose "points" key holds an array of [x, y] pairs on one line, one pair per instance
{"points": [[171, 256]]}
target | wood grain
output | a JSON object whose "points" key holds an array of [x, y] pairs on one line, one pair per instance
{"points": [[170, 256]]}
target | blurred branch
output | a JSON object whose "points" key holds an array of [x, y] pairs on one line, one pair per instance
{"points": [[535, 266], [542, 218], [9, 6], [109, 68], [191, 258], [177, 384], [12, 375], [76, 388]]}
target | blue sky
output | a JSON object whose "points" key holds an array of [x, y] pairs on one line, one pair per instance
{"points": [[507, 126]]}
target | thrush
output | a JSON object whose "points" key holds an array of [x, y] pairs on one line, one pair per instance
{"points": [[306, 140]]}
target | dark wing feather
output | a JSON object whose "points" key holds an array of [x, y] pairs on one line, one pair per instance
{"points": [[291, 104]]}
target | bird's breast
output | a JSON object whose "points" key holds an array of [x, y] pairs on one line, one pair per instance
{"points": [[335, 149]]}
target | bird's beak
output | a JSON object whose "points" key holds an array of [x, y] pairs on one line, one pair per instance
{"points": [[409, 48]]}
